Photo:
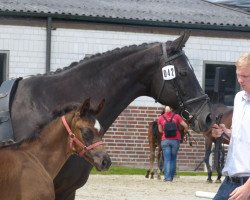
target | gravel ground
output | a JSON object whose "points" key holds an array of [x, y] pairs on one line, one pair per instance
{"points": [[137, 187]]}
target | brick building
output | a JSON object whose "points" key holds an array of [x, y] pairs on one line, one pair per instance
{"points": [[41, 36]]}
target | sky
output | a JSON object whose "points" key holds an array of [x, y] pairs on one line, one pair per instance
{"points": [[240, 3]]}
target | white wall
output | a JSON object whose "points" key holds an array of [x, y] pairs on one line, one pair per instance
{"points": [[27, 46]]}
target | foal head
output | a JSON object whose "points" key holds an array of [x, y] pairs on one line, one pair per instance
{"points": [[85, 138]]}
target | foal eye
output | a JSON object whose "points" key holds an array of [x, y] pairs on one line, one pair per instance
{"points": [[87, 133], [85, 130]]}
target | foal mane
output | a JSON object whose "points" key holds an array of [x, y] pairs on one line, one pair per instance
{"points": [[58, 112]]}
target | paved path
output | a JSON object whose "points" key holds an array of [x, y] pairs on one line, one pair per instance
{"points": [[137, 187]]}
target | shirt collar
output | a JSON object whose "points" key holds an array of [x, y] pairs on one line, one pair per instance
{"points": [[246, 96]]}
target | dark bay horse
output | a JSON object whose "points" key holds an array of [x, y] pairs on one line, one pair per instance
{"points": [[118, 76], [27, 170], [226, 119]]}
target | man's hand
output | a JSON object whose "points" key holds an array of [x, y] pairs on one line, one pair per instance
{"points": [[216, 131], [241, 193]]}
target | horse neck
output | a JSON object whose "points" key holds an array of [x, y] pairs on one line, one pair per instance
{"points": [[124, 81], [119, 78], [51, 148]]}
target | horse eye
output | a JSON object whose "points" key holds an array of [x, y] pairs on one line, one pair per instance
{"points": [[183, 73], [87, 133]]}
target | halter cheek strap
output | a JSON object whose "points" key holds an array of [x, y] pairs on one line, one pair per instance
{"points": [[167, 59], [72, 139], [181, 102]]}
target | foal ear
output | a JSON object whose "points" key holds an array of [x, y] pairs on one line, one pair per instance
{"points": [[100, 107], [180, 42], [85, 107]]}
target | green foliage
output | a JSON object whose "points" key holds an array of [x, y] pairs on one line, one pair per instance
{"points": [[122, 170]]}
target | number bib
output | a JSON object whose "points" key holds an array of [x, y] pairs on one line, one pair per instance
{"points": [[168, 72]]}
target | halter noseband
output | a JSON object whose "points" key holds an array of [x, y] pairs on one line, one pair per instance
{"points": [[181, 102], [72, 138]]}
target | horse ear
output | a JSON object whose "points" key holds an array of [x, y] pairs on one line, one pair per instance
{"points": [[85, 107], [180, 42], [100, 107]]}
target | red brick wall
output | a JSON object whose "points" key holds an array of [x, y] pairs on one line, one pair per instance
{"points": [[127, 144]]}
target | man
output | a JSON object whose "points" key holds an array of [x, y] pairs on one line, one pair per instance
{"points": [[237, 168]]}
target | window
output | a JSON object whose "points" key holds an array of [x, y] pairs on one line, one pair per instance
{"points": [[220, 83], [3, 66]]}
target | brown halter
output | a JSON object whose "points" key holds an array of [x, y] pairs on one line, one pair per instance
{"points": [[72, 138]]}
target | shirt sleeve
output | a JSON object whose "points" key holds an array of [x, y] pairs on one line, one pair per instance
{"points": [[159, 121], [179, 119]]}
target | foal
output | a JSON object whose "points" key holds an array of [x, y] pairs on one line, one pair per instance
{"points": [[27, 170], [154, 141]]}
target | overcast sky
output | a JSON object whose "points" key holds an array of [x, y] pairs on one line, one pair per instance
{"points": [[240, 3]]}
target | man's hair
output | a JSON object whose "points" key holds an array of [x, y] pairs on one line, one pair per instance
{"points": [[243, 61], [168, 109]]}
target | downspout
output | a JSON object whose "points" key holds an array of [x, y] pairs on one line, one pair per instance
{"points": [[48, 44]]}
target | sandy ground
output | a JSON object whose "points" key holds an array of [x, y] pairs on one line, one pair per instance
{"points": [[137, 187]]}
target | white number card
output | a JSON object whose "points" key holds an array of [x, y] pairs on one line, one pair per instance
{"points": [[168, 72]]}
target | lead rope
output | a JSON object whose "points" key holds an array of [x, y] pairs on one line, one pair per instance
{"points": [[220, 141]]}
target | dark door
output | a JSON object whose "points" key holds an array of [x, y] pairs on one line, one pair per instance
{"points": [[220, 83]]}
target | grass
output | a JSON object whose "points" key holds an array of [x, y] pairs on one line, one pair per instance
{"points": [[121, 170]]}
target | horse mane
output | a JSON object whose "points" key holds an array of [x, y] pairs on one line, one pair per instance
{"points": [[98, 55]]}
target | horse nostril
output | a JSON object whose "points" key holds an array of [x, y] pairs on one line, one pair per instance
{"points": [[106, 163]]}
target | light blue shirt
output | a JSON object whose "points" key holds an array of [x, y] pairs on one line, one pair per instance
{"points": [[238, 156]]}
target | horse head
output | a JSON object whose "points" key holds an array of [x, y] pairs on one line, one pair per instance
{"points": [[177, 86], [86, 137]]}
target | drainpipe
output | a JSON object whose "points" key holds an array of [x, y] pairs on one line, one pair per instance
{"points": [[48, 44]]}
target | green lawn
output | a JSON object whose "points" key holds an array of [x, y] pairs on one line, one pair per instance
{"points": [[120, 170]]}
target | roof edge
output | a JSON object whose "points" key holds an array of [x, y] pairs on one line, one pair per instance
{"points": [[98, 19]]}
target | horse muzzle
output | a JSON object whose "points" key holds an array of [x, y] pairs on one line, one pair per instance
{"points": [[201, 122], [102, 162]]}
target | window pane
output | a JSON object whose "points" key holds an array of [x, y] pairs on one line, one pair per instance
{"points": [[2, 67], [220, 83]]}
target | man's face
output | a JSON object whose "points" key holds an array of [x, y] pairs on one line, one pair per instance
{"points": [[243, 76]]}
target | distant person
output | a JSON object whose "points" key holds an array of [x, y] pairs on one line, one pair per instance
{"points": [[170, 143], [236, 184]]}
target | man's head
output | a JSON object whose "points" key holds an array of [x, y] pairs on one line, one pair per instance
{"points": [[243, 71], [243, 61]]}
